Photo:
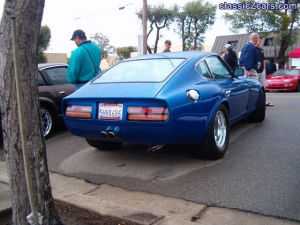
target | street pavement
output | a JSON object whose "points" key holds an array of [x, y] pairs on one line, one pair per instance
{"points": [[259, 173], [141, 207], [275, 181]]}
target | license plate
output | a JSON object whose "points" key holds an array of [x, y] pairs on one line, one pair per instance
{"points": [[110, 111]]}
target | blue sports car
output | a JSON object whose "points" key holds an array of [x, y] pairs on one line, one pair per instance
{"points": [[166, 98]]}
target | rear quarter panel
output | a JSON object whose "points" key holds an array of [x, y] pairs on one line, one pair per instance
{"points": [[190, 120]]}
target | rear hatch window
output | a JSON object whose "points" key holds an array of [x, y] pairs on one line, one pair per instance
{"points": [[150, 70]]}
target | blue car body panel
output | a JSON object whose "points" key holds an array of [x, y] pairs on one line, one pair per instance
{"points": [[188, 121]]}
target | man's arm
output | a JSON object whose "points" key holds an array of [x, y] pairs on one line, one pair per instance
{"points": [[249, 55], [74, 67]]}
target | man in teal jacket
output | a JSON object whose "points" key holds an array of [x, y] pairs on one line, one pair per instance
{"points": [[85, 60]]}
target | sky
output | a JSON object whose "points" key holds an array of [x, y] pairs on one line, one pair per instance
{"points": [[122, 27]]}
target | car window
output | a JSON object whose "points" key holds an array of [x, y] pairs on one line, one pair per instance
{"points": [[150, 70], [203, 70], [40, 79], [218, 69], [57, 75], [286, 72]]}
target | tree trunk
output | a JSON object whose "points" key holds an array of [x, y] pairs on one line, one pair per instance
{"points": [[281, 54], [28, 21], [183, 36], [286, 36], [156, 39]]}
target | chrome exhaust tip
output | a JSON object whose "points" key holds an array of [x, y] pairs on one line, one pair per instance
{"points": [[104, 134], [111, 134]]}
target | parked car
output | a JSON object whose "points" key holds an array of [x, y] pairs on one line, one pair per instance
{"points": [[284, 80], [166, 98], [52, 87]]}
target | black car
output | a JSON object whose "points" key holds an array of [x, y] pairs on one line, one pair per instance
{"points": [[52, 86]]}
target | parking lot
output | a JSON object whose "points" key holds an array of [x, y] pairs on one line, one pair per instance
{"points": [[260, 172]]}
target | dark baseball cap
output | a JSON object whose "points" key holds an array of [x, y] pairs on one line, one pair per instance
{"points": [[78, 33]]}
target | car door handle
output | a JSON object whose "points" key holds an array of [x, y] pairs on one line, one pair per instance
{"points": [[62, 92]]}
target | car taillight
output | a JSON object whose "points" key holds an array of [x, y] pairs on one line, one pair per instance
{"points": [[147, 113], [77, 111]]}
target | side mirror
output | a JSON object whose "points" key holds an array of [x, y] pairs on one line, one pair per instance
{"points": [[239, 72]]}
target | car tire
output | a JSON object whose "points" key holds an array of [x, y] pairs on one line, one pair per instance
{"points": [[258, 115], [298, 87], [104, 145], [47, 119], [215, 142]]}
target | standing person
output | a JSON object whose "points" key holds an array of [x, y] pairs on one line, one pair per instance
{"points": [[167, 46], [261, 72], [85, 60], [248, 58], [261, 75], [270, 67], [230, 57], [222, 54]]}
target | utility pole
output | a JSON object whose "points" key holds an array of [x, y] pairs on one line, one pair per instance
{"points": [[145, 27]]}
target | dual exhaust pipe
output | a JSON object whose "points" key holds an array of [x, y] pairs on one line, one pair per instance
{"points": [[109, 134]]}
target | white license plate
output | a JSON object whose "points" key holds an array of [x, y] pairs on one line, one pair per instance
{"points": [[110, 111]]}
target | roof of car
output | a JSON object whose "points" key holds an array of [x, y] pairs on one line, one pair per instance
{"points": [[184, 54], [48, 65]]}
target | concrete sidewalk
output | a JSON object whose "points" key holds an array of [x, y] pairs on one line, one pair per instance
{"points": [[144, 208]]}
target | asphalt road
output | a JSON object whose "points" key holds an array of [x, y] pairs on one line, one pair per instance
{"points": [[260, 173]]}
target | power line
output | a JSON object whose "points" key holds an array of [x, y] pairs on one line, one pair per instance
{"points": [[103, 11]]}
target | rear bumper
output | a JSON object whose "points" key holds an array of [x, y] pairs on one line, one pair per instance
{"points": [[181, 131]]}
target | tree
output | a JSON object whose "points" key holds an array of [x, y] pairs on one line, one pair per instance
{"points": [[28, 20], [281, 22], [159, 18], [103, 43], [44, 40], [193, 21], [124, 52]]}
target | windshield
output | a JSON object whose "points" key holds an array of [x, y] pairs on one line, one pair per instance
{"points": [[150, 70], [286, 73]]}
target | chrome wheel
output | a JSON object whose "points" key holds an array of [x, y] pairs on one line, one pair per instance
{"points": [[220, 129], [47, 122]]}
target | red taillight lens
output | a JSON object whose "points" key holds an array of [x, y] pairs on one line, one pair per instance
{"points": [[77, 111], [147, 113]]}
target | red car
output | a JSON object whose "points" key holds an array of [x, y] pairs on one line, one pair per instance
{"points": [[284, 80]]}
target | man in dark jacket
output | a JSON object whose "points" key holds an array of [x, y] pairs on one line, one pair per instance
{"points": [[248, 58], [260, 56], [167, 46], [261, 72], [230, 57], [270, 67]]}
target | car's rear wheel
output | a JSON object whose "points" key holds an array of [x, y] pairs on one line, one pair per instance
{"points": [[215, 142], [104, 145], [258, 115], [47, 121]]}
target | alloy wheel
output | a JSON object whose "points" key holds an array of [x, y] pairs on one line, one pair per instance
{"points": [[220, 131], [46, 122]]}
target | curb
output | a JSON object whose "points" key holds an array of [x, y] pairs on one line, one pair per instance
{"points": [[150, 209]]}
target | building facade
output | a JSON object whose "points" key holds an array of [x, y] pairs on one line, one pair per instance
{"points": [[238, 40]]}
